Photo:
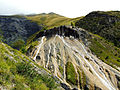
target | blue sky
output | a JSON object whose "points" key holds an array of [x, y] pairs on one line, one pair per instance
{"points": [[68, 8]]}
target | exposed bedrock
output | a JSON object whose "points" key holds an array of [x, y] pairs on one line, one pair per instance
{"points": [[67, 31]]}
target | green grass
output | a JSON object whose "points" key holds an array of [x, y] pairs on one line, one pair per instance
{"points": [[71, 75], [82, 78], [61, 69], [31, 45], [16, 69], [107, 52], [52, 20]]}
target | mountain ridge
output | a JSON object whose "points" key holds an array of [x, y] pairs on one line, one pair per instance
{"points": [[51, 20], [105, 24]]}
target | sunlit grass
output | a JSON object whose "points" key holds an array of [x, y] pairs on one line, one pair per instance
{"points": [[52, 20]]}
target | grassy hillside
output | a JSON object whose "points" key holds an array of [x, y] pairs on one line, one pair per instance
{"points": [[105, 24], [17, 71], [105, 50], [51, 19]]}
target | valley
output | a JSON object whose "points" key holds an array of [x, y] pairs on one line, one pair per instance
{"points": [[53, 52]]}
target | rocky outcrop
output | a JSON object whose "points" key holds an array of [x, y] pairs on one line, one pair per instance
{"points": [[13, 28], [65, 86], [118, 81], [66, 31]]}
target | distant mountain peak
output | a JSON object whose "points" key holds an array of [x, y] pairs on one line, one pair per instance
{"points": [[51, 13]]}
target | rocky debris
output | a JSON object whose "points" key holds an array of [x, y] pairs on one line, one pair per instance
{"points": [[13, 28], [118, 81], [65, 86], [56, 51], [97, 88]]}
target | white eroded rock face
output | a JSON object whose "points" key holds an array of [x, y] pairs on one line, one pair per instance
{"points": [[59, 54]]}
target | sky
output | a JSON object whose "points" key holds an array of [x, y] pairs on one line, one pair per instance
{"points": [[68, 8]]}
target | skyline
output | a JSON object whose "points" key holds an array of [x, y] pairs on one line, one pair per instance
{"points": [[67, 8]]}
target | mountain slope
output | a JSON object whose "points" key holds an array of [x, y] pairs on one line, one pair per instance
{"points": [[105, 50], [64, 52], [51, 20], [105, 24], [16, 29], [19, 72], [62, 57]]}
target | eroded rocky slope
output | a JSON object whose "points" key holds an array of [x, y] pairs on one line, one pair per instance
{"points": [[63, 51]]}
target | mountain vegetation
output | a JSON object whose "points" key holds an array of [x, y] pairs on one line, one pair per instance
{"points": [[19, 72], [70, 73], [51, 20], [105, 24], [105, 50], [15, 30], [53, 52]]}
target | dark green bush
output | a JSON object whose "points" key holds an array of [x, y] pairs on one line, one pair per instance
{"points": [[71, 75]]}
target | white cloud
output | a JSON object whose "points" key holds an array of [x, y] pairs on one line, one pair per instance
{"points": [[69, 8]]}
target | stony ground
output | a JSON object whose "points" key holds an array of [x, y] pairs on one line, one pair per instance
{"points": [[54, 53]]}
